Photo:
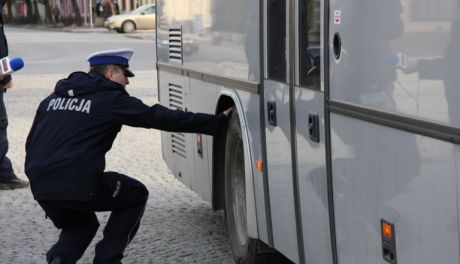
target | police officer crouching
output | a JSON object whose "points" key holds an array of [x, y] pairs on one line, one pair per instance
{"points": [[73, 129]]}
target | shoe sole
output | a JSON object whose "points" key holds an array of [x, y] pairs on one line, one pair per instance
{"points": [[9, 186]]}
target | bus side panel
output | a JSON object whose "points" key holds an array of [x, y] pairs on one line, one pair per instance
{"points": [[400, 56], [177, 147], [166, 145], [203, 99], [380, 173], [218, 37]]}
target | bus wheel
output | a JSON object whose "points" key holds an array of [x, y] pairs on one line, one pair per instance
{"points": [[244, 249]]}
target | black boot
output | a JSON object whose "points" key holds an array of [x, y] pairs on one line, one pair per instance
{"points": [[12, 183]]}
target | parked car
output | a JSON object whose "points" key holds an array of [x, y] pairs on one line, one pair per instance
{"points": [[140, 18]]}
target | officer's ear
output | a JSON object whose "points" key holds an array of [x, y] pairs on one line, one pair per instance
{"points": [[109, 72]]}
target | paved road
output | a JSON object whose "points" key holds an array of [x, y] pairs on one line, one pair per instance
{"points": [[178, 226]]}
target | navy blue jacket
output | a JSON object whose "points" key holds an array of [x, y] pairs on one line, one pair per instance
{"points": [[76, 125], [6, 79]]}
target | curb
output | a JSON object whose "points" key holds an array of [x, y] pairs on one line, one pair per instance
{"points": [[62, 29]]}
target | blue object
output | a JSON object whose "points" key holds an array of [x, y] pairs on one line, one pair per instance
{"points": [[16, 63]]}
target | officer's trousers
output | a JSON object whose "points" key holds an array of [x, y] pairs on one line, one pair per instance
{"points": [[6, 169], [123, 196]]}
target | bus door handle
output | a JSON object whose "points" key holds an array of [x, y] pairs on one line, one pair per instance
{"points": [[313, 126], [271, 112]]}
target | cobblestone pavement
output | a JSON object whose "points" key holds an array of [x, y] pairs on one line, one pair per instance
{"points": [[177, 227]]}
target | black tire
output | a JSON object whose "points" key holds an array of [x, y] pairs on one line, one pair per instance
{"points": [[119, 30], [245, 249], [128, 26]]}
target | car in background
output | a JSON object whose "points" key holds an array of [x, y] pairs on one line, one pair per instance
{"points": [[141, 18]]}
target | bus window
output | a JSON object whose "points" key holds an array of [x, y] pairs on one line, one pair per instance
{"points": [[276, 44], [310, 44]]}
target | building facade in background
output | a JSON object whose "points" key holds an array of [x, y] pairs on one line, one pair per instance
{"points": [[62, 10]]}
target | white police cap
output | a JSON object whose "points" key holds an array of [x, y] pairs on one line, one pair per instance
{"points": [[119, 57]]}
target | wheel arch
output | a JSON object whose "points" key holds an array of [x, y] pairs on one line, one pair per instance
{"points": [[226, 100]]}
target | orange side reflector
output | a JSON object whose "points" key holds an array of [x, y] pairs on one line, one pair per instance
{"points": [[387, 230], [259, 165]]}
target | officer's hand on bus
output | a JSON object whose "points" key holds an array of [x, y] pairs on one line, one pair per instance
{"points": [[228, 111]]}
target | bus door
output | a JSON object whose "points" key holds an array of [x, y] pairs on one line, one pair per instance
{"points": [[295, 139], [309, 139], [278, 130]]}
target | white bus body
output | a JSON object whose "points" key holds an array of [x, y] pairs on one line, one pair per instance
{"points": [[343, 146]]}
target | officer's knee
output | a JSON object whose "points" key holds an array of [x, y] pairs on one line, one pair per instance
{"points": [[143, 193], [139, 194]]}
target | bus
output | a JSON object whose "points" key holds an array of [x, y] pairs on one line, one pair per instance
{"points": [[343, 143]]}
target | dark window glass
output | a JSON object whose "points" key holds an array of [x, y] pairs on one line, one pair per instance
{"points": [[150, 10], [310, 44], [276, 40]]}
